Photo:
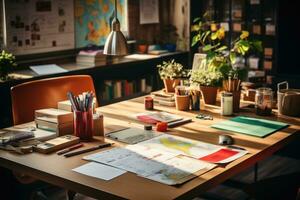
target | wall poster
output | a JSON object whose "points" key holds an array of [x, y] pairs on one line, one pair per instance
{"points": [[93, 20], [37, 26]]}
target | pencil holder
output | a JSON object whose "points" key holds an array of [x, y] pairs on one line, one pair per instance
{"points": [[236, 100], [83, 124], [195, 99], [182, 102]]}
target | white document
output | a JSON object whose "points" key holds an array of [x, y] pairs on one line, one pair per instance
{"points": [[100, 171], [193, 148], [179, 170], [149, 11], [135, 159], [133, 135], [47, 69]]}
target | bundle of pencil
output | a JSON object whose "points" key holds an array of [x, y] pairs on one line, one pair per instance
{"points": [[231, 85]]}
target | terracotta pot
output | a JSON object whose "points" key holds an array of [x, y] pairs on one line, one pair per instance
{"points": [[142, 48], [209, 94], [182, 102], [236, 97], [170, 84]]}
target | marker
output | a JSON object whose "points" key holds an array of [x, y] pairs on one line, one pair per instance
{"points": [[88, 150], [69, 149], [236, 147], [179, 122]]}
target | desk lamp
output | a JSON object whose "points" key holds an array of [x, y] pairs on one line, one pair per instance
{"points": [[115, 44]]}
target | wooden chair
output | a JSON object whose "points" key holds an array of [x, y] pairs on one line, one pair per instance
{"points": [[45, 93], [30, 96]]}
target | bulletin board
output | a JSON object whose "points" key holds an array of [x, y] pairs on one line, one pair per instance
{"points": [[38, 26]]}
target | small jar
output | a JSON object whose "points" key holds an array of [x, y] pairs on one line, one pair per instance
{"points": [[263, 101], [226, 103], [148, 101]]}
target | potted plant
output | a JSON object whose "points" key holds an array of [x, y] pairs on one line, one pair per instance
{"points": [[228, 60], [7, 64], [171, 72], [142, 47], [209, 81]]}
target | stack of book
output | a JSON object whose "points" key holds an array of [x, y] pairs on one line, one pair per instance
{"points": [[91, 58], [163, 98], [55, 120]]}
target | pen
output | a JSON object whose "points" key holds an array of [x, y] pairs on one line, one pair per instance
{"points": [[88, 150], [235, 147], [69, 149], [179, 122]]}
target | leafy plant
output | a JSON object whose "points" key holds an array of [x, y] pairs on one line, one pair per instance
{"points": [[7, 64], [171, 69], [206, 78], [220, 57]]}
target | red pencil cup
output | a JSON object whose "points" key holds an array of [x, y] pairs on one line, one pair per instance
{"points": [[83, 124]]}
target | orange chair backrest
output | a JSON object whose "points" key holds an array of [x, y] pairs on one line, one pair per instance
{"points": [[45, 93]]}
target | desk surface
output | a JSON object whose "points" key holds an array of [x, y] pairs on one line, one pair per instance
{"points": [[57, 169]]}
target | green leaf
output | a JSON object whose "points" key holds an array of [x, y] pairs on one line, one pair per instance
{"points": [[257, 45], [195, 40], [214, 36], [205, 36], [207, 47], [232, 57], [222, 48], [196, 19]]}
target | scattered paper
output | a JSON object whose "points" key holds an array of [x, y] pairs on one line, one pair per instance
{"points": [[193, 148], [133, 135], [154, 117], [100, 171], [47, 69]]}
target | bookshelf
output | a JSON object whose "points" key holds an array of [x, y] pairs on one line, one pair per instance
{"points": [[259, 17], [132, 71]]}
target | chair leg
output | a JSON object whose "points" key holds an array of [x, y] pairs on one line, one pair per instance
{"points": [[70, 195]]}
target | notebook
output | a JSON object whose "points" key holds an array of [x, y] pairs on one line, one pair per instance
{"points": [[250, 126], [47, 69]]}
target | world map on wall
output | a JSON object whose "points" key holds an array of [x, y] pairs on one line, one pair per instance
{"points": [[93, 20]]}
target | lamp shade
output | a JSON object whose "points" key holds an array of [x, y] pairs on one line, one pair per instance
{"points": [[115, 44]]}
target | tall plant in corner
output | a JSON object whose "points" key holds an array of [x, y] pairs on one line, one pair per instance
{"points": [[7, 64], [220, 58]]}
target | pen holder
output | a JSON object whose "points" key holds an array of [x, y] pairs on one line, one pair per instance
{"points": [[182, 102], [195, 99], [83, 124]]}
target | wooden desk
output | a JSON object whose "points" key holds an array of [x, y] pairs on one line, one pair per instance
{"points": [[57, 169]]}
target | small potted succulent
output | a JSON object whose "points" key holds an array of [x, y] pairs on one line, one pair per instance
{"points": [[7, 64], [209, 81], [171, 72]]}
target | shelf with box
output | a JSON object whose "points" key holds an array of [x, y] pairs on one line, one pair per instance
{"points": [[118, 90]]}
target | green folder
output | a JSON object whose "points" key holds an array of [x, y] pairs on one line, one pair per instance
{"points": [[250, 126]]}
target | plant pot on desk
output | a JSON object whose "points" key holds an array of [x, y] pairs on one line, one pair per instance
{"points": [[209, 94], [170, 84]]}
